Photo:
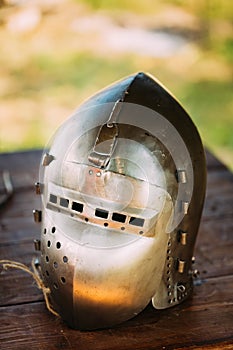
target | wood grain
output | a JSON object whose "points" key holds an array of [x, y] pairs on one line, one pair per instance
{"points": [[205, 321]]}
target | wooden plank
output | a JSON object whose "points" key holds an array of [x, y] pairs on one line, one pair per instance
{"points": [[204, 319]]}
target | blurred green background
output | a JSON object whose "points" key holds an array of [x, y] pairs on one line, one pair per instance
{"points": [[56, 53]]}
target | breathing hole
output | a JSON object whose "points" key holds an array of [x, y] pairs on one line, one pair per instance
{"points": [[55, 285], [58, 245], [47, 273], [64, 202], [45, 231], [77, 207], [53, 198], [49, 244], [86, 219], [118, 217], [47, 258], [55, 265], [53, 229], [101, 213], [63, 280], [106, 224], [136, 221], [65, 259]]}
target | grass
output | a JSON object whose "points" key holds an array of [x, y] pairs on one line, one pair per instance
{"points": [[46, 87]]}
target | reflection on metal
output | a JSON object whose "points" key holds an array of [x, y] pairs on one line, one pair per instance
{"points": [[37, 215], [47, 159]]}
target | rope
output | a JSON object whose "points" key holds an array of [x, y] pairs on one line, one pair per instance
{"points": [[46, 291]]}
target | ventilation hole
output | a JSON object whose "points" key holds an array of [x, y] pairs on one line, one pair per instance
{"points": [[55, 265], [53, 198], [168, 251], [136, 221], [101, 213], [47, 273], [77, 207], [168, 279], [86, 219], [174, 300], [147, 134], [168, 286], [122, 228], [106, 224], [170, 301], [65, 259], [169, 294], [55, 285], [45, 231], [49, 244], [169, 265], [53, 229], [118, 217], [47, 258], [63, 280], [64, 202], [169, 243], [58, 245], [141, 232]]}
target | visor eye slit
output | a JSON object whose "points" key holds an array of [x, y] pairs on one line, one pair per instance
{"points": [[136, 221], [119, 217], [77, 207], [64, 202], [53, 198], [101, 213]]}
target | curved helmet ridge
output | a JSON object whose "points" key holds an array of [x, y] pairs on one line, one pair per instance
{"points": [[123, 186]]}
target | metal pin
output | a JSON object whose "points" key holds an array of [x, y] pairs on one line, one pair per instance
{"points": [[37, 244], [184, 207], [37, 215], [38, 187], [183, 237], [181, 265], [181, 176], [47, 159]]}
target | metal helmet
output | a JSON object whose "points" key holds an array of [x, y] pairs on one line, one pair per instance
{"points": [[123, 185]]}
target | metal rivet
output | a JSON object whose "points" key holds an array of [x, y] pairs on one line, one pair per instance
{"points": [[184, 207], [98, 174], [38, 188], [37, 244], [183, 237], [47, 159], [37, 215], [90, 172], [181, 265], [181, 176]]}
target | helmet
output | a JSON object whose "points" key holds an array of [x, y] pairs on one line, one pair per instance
{"points": [[123, 186]]}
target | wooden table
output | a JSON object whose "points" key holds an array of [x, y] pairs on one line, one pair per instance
{"points": [[205, 321]]}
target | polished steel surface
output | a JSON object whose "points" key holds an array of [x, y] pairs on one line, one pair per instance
{"points": [[123, 191]]}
